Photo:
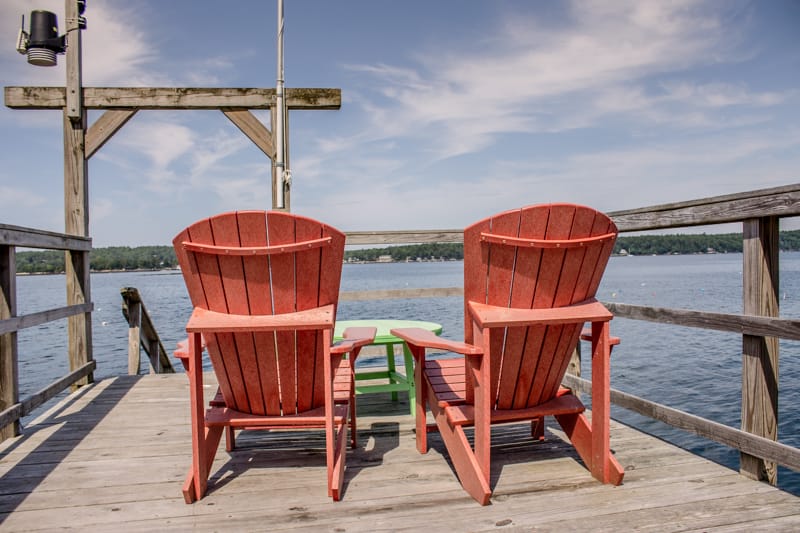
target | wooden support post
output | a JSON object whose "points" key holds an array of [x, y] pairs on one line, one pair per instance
{"points": [[574, 367], [74, 107], [155, 356], [76, 201], [9, 376], [134, 336], [760, 354]]}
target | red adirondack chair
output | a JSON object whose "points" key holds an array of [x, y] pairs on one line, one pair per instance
{"points": [[264, 286], [530, 276]]}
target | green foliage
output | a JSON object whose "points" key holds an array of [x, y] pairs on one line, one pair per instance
{"points": [[112, 258], [48, 262], [139, 258], [696, 244], [163, 257], [426, 252]]}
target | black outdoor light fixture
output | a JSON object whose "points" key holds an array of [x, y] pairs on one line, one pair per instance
{"points": [[43, 42]]}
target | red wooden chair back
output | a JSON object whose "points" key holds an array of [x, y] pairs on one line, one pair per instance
{"points": [[263, 263], [536, 257]]}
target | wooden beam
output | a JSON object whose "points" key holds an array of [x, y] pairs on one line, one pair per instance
{"points": [[105, 127], [253, 129], [172, 98], [9, 370], [393, 294], [783, 328], [757, 446], [17, 411], [35, 238], [16, 323], [74, 90], [759, 353], [779, 201], [134, 316], [403, 237], [76, 222]]}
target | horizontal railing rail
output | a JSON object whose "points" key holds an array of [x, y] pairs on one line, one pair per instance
{"points": [[12, 409]]}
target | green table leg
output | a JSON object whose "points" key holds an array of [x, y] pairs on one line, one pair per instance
{"points": [[390, 363], [412, 387]]}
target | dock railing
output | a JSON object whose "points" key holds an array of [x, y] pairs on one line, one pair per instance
{"points": [[759, 323], [142, 334], [77, 312]]}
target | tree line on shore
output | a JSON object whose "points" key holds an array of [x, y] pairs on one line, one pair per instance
{"points": [[117, 258]]}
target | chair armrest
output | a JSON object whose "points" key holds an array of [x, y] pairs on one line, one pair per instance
{"points": [[354, 338], [428, 339], [489, 316], [182, 352], [205, 321]]}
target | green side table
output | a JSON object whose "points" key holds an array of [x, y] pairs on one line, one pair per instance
{"points": [[383, 337]]}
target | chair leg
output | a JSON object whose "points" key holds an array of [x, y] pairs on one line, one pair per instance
{"points": [[353, 423], [335, 442], [604, 467], [230, 439], [468, 469], [537, 428], [421, 395], [194, 488]]}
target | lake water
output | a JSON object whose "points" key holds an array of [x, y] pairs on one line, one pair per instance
{"points": [[690, 369]]}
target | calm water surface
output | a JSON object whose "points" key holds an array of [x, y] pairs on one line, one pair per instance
{"points": [[690, 369]]}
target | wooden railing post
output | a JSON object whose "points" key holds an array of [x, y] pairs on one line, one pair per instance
{"points": [[134, 336], [760, 281], [9, 377], [76, 200]]}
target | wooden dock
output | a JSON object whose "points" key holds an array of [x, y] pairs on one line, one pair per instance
{"points": [[114, 455]]}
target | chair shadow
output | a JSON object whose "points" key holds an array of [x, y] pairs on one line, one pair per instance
{"points": [[278, 450], [513, 444], [27, 474]]}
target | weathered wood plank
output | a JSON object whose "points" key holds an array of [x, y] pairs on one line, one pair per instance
{"points": [[403, 237], [9, 369], [778, 201], [253, 129], [26, 406], [42, 317], [76, 222], [74, 89], [105, 127], [760, 276], [752, 444], [172, 98], [115, 456], [388, 294], [35, 238], [743, 324]]}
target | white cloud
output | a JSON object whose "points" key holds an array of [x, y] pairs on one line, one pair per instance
{"points": [[161, 142], [531, 77], [16, 197], [212, 149]]}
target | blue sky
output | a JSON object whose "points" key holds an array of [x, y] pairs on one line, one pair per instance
{"points": [[451, 110]]}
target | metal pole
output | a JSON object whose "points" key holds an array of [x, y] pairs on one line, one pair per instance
{"points": [[280, 142]]}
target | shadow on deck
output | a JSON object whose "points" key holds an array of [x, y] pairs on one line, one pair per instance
{"points": [[116, 453]]}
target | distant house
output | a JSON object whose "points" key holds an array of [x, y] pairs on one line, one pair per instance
{"points": [[384, 259]]}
